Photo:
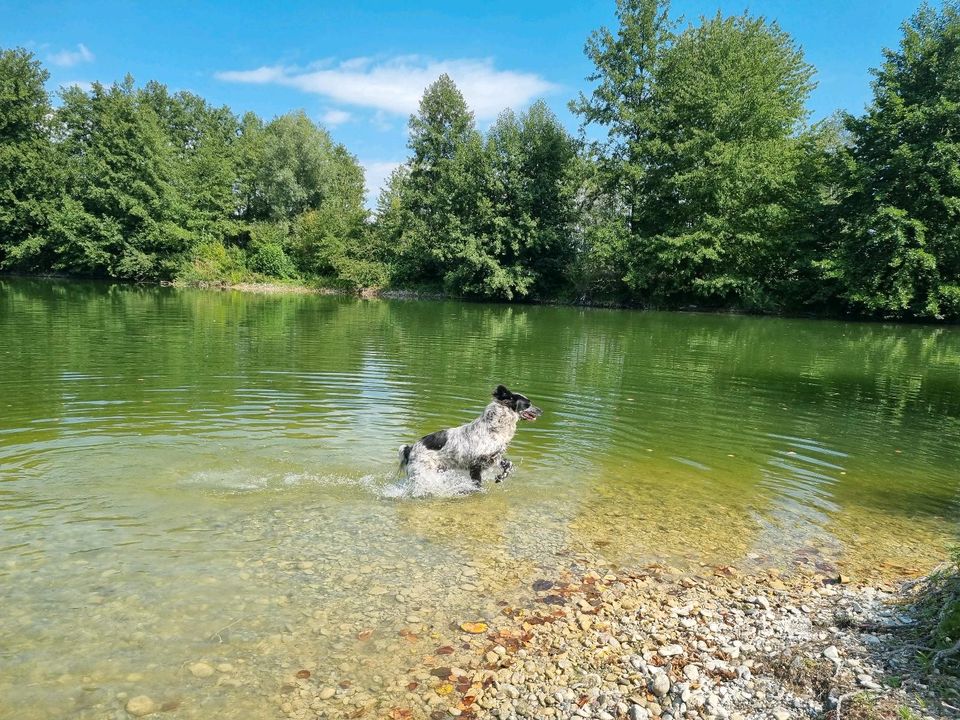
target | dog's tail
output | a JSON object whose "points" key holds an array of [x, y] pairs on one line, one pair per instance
{"points": [[404, 454]]}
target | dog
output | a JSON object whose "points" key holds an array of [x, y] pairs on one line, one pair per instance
{"points": [[473, 447]]}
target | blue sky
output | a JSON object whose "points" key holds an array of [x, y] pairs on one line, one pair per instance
{"points": [[360, 67]]}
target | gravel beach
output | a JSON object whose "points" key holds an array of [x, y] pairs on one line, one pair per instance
{"points": [[661, 643]]}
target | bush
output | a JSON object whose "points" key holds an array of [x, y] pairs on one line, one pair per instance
{"points": [[212, 261], [271, 260]]}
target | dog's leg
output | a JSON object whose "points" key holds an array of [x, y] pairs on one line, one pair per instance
{"points": [[475, 474], [506, 467]]}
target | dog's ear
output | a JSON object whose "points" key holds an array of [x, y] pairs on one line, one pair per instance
{"points": [[502, 394]]}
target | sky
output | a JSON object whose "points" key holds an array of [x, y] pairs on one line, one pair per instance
{"points": [[359, 67]]}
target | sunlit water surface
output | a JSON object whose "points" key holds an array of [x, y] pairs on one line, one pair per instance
{"points": [[207, 476]]}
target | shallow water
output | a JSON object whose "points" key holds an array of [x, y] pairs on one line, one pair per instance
{"points": [[206, 476]]}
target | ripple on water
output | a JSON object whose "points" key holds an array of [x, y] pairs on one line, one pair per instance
{"points": [[197, 477]]}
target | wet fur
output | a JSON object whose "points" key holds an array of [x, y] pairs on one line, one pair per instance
{"points": [[475, 446]]}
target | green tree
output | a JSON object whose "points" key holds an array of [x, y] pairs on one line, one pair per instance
{"points": [[529, 238], [204, 158], [295, 168], [723, 165], [29, 178], [627, 66], [122, 216], [333, 241], [441, 187], [899, 254]]}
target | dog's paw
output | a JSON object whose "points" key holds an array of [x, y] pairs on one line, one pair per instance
{"points": [[506, 467]]}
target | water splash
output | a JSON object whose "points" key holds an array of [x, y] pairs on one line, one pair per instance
{"points": [[445, 484]]}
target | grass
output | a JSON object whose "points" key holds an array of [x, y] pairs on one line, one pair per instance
{"points": [[937, 609]]}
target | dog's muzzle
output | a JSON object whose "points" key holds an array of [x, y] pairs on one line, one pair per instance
{"points": [[531, 413]]}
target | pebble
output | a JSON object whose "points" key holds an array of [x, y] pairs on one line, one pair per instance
{"points": [[141, 705], [660, 684], [670, 650], [201, 670], [831, 653], [327, 693]]}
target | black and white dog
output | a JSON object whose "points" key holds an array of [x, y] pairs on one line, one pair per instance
{"points": [[476, 446]]}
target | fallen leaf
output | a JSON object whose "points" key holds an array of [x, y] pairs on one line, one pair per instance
{"points": [[474, 628], [303, 674], [445, 650], [444, 689], [365, 634], [441, 672], [411, 686], [400, 713], [541, 585]]}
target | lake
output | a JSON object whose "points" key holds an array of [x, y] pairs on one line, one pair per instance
{"points": [[199, 494]]}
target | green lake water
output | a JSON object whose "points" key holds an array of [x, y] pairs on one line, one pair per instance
{"points": [[191, 475]]}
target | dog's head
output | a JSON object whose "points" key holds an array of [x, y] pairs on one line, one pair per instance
{"points": [[520, 404]]}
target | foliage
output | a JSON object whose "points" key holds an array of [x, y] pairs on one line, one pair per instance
{"points": [[211, 261], [29, 179], [899, 253], [488, 217], [627, 65], [125, 217], [266, 254], [703, 155], [145, 184]]}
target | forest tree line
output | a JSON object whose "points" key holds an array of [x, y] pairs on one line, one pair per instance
{"points": [[696, 180]]}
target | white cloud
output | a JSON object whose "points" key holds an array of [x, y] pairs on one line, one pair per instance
{"points": [[335, 117], [69, 58], [396, 85], [376, 174]]}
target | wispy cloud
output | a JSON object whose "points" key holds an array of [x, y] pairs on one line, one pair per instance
{"points": [[335, 117], [396, 85], [69, 58]]}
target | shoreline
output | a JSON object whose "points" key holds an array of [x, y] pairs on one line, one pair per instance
{"points": [[661, 644], [281, 288]]}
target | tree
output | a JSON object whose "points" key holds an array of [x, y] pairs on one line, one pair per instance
{"points": [[627, 65], [29, 178], [122, 216], [203, 140], [899, 252], [333, 240], [723, 164], [529, 163], [439, 202]]}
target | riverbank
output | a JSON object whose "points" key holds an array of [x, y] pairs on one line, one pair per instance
{"points": [[659, 644]]}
